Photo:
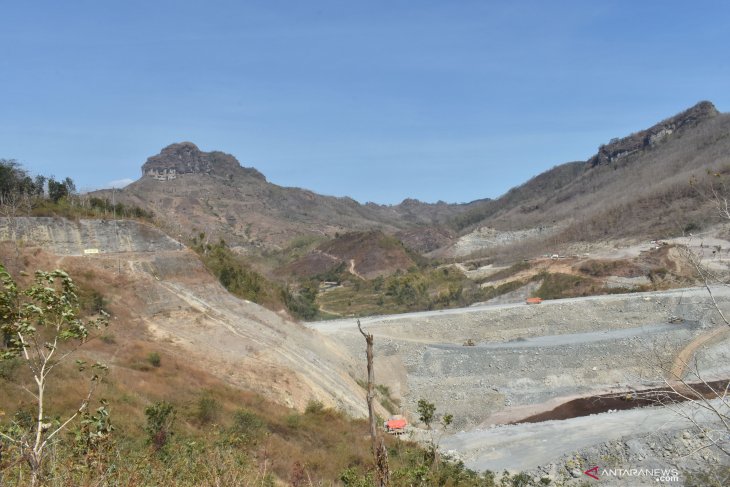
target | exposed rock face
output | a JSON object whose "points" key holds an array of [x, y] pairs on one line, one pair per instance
{"points": [[425, 239], [65, 237], [186, 158], [619, 148]]}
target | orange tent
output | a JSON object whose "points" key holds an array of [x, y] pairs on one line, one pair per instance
{"points": [[534, 300]]}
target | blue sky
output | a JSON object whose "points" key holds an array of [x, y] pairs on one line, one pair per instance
{"points": [[377, 100]]}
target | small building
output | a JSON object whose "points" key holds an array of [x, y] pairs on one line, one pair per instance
{"points": [[396, 424]]}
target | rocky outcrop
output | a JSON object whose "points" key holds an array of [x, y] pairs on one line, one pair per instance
{"points": [[620, 148], [185, 158]]}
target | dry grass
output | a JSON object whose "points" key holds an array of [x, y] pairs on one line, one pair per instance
{"points": [[249, 440], [646, 194]]}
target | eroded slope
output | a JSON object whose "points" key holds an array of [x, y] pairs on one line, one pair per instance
{"points": [[187, 311]]}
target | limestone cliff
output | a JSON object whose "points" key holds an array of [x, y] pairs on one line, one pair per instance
{"points": [[619, 148], [185, 158]]}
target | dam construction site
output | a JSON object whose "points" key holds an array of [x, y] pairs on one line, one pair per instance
{"points": [[233, 331], [549, 389]]}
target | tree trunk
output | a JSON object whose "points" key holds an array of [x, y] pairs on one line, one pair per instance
{"points": [[371, 386], [379, 451]]}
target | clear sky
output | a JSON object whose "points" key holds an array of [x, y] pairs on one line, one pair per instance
{"points": [[378, 100]]}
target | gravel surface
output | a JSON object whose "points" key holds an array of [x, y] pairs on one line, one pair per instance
{"points": [[528, 359]]}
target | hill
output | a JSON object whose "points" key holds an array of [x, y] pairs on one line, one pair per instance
{"points": [[211, 192], [197, 388], [163, 287], [635, 186], [363, 254]]}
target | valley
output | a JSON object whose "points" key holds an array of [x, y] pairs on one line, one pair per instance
{"points": [[259, 288]]}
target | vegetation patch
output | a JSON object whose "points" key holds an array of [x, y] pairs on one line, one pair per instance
{"points": [[420, 288], [605, 268], [237, 276], [507, 273], [558, 285], [23, 195]]}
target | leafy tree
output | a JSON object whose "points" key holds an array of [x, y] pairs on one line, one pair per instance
{"points": [[427, 415], [60, 189], [35, 322], [426, 412], [14, 180]]}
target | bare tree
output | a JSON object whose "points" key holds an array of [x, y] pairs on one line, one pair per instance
{"points": [[379, 450]]}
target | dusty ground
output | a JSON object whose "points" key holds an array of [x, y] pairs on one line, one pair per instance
{"points": [[485, 238], [528, 359], [648, 438]]}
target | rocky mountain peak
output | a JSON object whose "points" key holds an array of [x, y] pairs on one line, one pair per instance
{"points": [[622, 147], [186, 158]]}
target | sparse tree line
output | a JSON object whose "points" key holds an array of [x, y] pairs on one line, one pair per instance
{"points": [[24, 195], [17, 185]]}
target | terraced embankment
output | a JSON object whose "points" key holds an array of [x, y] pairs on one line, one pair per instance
{"points": [[529, 359]]}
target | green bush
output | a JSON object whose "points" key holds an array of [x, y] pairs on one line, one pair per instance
{"points": [[247, 427], [314, 407], [160, 419], [154, 359], [294, 421], [207, 410], [350, 477]]}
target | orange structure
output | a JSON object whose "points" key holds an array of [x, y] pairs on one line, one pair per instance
{"points": [[396, 424], [534, 300]]}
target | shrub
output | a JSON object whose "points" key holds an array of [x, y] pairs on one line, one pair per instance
{"points": [[160, 419], [556, 286], [294, 421], [314, 407], [154, 359], [8, 368], [208, 409], [352, 478], [247, 427]]}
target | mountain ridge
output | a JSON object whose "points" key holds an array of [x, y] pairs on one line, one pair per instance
{"points": [[672, 150], [211, 192]]}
